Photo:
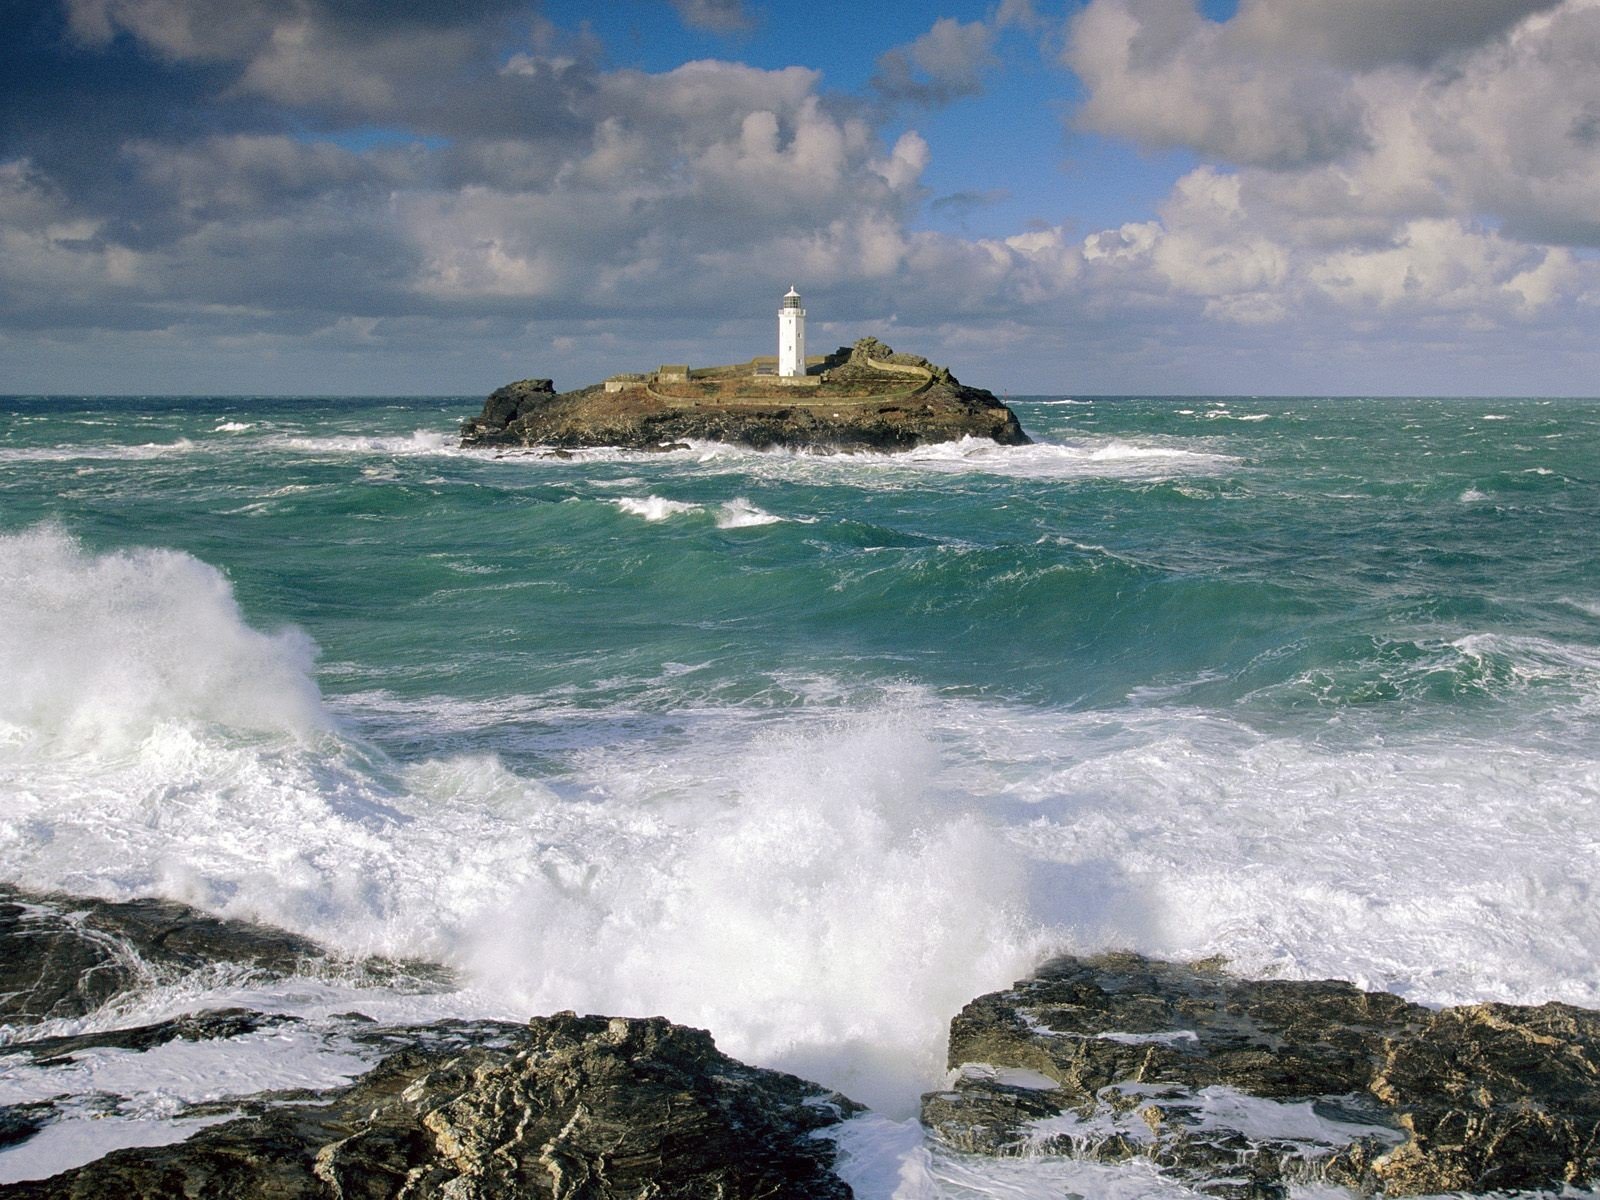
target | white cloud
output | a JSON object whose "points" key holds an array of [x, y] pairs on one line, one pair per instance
{"points": [[1409, 173], [1432, 265], [944, 64], [1162, 74], [1414, 158]]}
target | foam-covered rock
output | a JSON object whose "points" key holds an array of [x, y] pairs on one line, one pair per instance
{"points": [[565, 1106], [1242, 1087]]}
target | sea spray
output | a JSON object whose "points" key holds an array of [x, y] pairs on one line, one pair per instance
{"points": [[812, 902], [825, 917], [104, 649]]}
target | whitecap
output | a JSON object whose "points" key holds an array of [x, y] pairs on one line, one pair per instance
{"points": [[419, 443], [110, 648], [739, 513], [654, 508], [134, 453]]}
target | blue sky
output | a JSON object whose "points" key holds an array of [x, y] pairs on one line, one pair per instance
{"points": [[1097, 196]]}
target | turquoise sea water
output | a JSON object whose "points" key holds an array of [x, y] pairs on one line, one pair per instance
{"points": [[811, 750]]}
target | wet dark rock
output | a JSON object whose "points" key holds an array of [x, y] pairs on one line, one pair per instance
{"points": [[567, 1107], [66, 956], [504, 403], [1241, 1087], [206, 1025], [919, 406], [19, 1122]]}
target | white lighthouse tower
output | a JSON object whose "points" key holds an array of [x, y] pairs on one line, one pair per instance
{"points": [[791, 336]]}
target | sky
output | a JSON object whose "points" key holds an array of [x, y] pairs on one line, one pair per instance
{"points": [[331, 197]]}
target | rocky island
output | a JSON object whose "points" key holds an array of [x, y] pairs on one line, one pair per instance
{"points": [[861, 397]]}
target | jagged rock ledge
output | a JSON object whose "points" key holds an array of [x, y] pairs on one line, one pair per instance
{"points": [[1236, 1088], [1240, 1088], [564, 1107], [862, 397]]}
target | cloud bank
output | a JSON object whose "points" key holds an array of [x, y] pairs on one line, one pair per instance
{"points": [[331, 180]]}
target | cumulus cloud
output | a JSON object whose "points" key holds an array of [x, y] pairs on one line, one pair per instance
{"points": [[1164, 75], [344, 174], [1411, 158], [540, 184], [944, 64], [1363, 34]]}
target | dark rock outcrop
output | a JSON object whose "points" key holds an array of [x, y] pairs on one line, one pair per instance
{"points": [[857, 407], [65, 956], [567, 1108], [1241, 1087]]}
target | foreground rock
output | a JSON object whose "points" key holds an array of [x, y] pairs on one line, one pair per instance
{"points": [[868, 398], [66, 956], [1240, 1088], [567, 1107]]}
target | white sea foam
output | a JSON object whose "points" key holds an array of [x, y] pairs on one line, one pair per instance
{"points": [[1108, 457], [1091, 458], [1591, 607], [801, 896], [112, 453], [420, 443], [822, 893], [1017, 1077], [121, 1098], [234, 427], [1473, 496], [75, 1140], [884, 1159], [654, 508], [739, 513]]}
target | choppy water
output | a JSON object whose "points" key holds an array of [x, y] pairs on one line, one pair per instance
{"points": [[809, 751]]}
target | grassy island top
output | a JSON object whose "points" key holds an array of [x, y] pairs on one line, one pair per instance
{"points": [[866, 373]]}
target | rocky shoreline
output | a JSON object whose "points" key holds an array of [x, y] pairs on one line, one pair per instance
{"points": [[1241, 1088], [1234, 1088], [867, 397]]}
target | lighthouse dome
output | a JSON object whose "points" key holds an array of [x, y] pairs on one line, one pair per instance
{"points": [[791, 298]]}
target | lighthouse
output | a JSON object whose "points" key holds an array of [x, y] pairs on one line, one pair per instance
{"points": [[791, 336]]}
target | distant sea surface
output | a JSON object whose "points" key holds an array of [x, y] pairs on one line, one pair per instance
{"points": [[808, 750]]}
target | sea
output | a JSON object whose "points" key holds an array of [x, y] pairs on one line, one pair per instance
{"points": [[807, 750]]}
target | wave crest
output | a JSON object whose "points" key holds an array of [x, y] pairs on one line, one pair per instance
{"points": [[103, 648]]}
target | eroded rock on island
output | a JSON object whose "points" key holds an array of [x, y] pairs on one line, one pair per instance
{"points": [[1240, 1088], [861, 397]]}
